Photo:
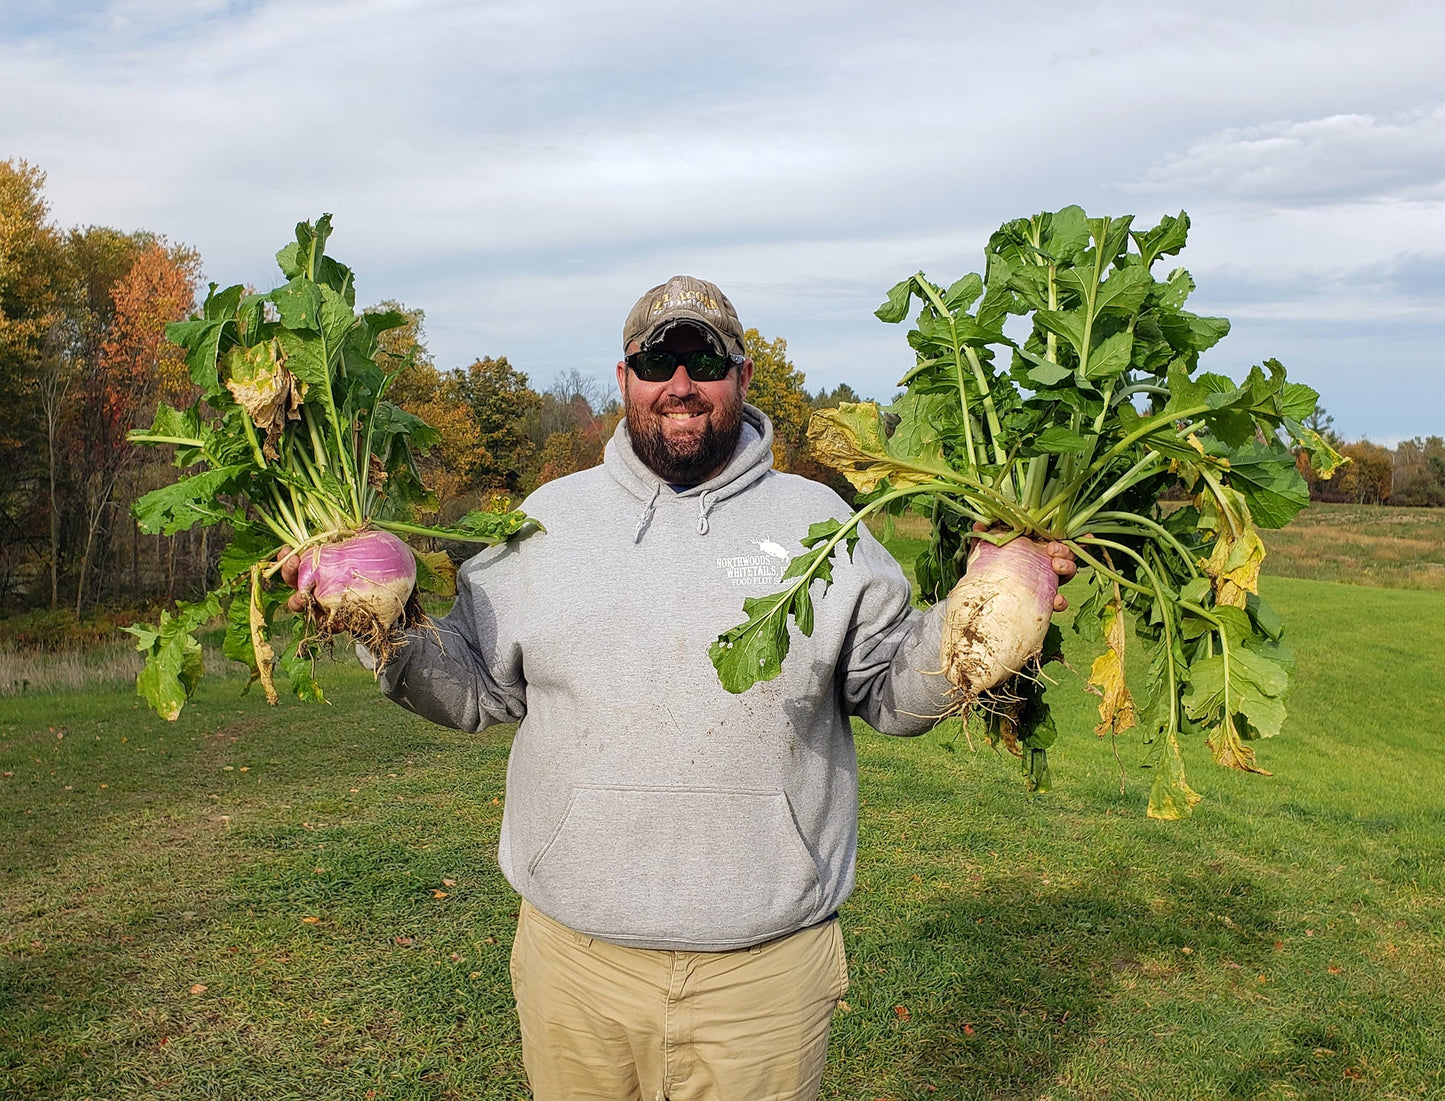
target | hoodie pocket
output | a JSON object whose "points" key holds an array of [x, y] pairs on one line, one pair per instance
{"points": [[677, 866]]}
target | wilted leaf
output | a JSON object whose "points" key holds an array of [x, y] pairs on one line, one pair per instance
{"points": [[1116, 709], [851, 440], [1234, 566], [1171, 798], [269, 393]]}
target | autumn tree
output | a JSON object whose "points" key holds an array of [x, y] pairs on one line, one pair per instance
{"points": [[133, 368], [1368, 478], [1419, 472], [778, 390], [32, 287]]}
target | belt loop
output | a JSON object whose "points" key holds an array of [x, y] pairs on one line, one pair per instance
{"points": [[582, 938]]}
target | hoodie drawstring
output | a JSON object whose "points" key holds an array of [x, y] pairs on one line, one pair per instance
{"points": [[705, 503], [647, 512]]}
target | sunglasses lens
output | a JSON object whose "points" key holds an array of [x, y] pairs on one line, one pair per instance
{"points": [[660, 366]]}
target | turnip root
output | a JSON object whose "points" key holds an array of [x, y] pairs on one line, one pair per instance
{"points": [[997, 615], [362, 585]]}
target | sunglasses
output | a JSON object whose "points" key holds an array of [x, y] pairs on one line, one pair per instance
{"points": [[701, 366]]}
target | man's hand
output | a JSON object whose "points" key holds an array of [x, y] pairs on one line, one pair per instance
{"points": [[1064, 566], [290, 566], [1062, 559]]}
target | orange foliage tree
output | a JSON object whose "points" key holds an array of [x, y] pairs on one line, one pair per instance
{"points": [[132, 368]]}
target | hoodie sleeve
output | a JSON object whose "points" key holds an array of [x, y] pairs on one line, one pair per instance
{"points": [[459, 672], [891, 672]]}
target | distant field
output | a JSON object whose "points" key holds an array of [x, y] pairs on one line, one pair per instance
{"points": [[1374, 545]]}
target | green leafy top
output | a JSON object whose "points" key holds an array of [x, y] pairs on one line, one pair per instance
{"points": [[292, 443], [1074, 433]]}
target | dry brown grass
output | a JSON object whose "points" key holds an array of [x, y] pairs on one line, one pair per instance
{"points": [[45, 672], [1376, 545]]}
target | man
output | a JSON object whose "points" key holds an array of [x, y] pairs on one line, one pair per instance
{"points": [[681, 852]]}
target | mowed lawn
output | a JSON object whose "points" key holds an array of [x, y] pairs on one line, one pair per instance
{"points": [[303, 902]]}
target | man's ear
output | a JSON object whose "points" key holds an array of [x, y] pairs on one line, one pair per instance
{"points": [[745, 375], [622, 379]]}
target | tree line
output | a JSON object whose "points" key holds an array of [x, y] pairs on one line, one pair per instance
{"points": [[1411, 474], [84, 359]]}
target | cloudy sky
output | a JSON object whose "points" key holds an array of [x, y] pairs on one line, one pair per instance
{"points": [[523, 171]]}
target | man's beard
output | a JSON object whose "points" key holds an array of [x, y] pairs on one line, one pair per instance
{"points": [[693, 459]]}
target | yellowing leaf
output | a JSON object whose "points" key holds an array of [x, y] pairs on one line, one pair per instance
{"points": [[851, 439], [257, 378], [199, 988], [1171, 798], [1117, 712], [310, 920], [1229, 749], [438, 894], [1234, 566]]}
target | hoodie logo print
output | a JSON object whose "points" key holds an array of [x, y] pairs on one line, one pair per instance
{"points": [[764, 568]]}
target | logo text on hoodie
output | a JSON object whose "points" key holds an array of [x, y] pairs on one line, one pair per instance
{"points": [[764, 566]]}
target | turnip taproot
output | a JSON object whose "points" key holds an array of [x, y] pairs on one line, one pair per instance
{"points": [[362, 585], [997, 616]]}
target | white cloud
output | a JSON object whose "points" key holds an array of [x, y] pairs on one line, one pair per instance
{"points": [[1337, 158], [522, 171]]}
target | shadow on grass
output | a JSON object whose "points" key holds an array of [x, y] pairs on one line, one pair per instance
{"points": [[993, 994]]}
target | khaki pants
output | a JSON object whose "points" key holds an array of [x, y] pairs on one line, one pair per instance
{"points": [[630, 1024]]}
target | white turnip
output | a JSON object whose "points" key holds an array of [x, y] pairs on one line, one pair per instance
{"points": [[997, 615]]}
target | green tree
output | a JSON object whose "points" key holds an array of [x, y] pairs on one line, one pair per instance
{"points": [[831, 399], [500, 399]]}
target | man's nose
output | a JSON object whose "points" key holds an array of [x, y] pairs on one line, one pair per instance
{"points": [[681, 382]]}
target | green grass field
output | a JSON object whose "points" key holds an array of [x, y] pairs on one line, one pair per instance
{"points": [[304, 902]]}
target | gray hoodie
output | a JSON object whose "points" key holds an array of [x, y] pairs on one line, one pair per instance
{"points": [[646, 805]]}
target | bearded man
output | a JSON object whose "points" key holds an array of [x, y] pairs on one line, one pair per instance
{"points": [[681, 852]]}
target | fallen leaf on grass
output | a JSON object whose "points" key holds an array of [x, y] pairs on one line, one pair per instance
{"points": [[438, 894], [405, 942], [1353, 1075], [456, 957], [968, 1030], [199, 988], [1336, 970], [902, 1012], [309, 919], [449, 882]]}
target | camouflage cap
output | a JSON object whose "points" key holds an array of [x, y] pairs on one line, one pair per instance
{"points": [[684, 300]]}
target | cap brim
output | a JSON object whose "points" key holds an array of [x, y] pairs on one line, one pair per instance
{"points": [[662, 328]]}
